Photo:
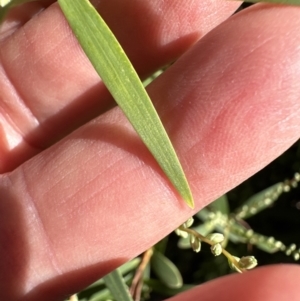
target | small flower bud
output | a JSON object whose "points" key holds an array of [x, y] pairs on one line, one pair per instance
{"points": [[195, 243], [192, 238], [216, 249], [188, 223], [215, 237], [233, 266], [248, 262], [181, 233]]}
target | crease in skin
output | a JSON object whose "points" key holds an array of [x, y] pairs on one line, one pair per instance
{"points": [[47, 242], [14, 132], [9, 138], [97, 194]]}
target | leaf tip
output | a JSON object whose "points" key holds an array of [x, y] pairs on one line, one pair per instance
{"points": [[189, 200]]}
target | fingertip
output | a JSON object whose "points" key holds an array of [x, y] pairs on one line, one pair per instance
{"points": [[274, 283]]}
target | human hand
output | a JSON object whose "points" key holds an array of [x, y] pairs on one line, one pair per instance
{"points": [[95, 199]]}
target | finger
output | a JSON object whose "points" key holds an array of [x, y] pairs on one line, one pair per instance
{"points": [[17, 16], [50, 88], [274, 283], [97, 198]]}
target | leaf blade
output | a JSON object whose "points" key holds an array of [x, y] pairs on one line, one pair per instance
{"points": [[115, 283], [122, 81], [166, 270]]}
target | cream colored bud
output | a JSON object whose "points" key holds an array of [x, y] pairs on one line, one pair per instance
{"points": [[248, 262], [192, 238], [188, 223], [4, 2], [181, 233], [177, 231], [216, 249], [195, 244], [215, 237]]}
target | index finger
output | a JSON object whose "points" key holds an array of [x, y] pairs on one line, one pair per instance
{"points": [[49, 86]]}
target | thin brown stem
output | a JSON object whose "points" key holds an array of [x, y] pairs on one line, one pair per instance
{"points": [[137, 282]]}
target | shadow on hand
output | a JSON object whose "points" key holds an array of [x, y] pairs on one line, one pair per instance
{"points": [[69, 283], [13, 246]]}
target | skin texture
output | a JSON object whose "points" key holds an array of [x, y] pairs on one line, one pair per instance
{"points": [[73, 210]]}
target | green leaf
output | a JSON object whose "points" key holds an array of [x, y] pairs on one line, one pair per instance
{"points": [[166, 270], [116, 284], [162, 245], [147, 272], [124, 269], [220, 205], [101, 295], [260, 201], [267, 244], [160, 288], [289, 2], [116, 71]]}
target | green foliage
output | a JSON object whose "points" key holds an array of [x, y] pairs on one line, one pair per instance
{"points": [[117, 73], [215, 217], [119, 76], [116, 285], [166, 270], [234, 226]]}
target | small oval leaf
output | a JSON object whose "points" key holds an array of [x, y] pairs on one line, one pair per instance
{"points": [[166, 270]]}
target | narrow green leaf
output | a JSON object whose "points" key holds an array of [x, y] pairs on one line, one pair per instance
{"points": [[147, 272], [160, 288], [162, 245], [124, 269], [267, 244], [129, 266], [116, 284], [116, 71], [260, 201], [288, 2], [101, 295], [166, 270]]}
